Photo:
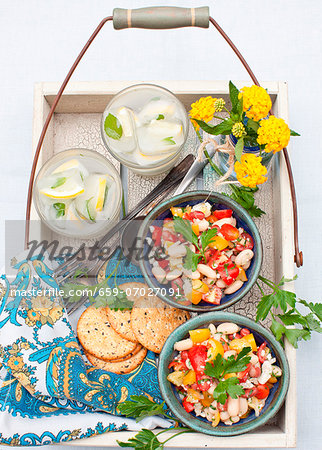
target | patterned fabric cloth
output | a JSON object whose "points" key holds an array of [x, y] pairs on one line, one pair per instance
{"points": [[43, 372]]}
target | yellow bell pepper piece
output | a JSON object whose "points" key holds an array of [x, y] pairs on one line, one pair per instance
{"points": [[189, 378], [194, 395], [216, 419], [246, 341], [219, 243], [196, 297], [272, 380], [195, 228], [200, 335], [242, 275], [176, 211], [216, 347], [207, 399], [230, 375], [200, 286]]}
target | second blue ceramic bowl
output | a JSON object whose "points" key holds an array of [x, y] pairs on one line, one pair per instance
{"points": [[273, 402], [244, 220]]}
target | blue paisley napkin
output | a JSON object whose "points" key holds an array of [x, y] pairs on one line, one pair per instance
{"points": [[43, 373]]}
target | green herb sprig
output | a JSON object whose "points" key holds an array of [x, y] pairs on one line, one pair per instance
{"points": [[286, 301], [147, 440], [221, 367], [183, 227], [241, 194], [112, 127], [59, 182], [60, 209]]}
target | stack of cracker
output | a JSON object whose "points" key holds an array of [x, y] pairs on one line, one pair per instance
{"points": [[118, 340]]}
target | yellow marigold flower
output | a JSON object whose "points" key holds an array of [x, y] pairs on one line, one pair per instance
{"points": [[15, 362], [219, 104], [238, 129], [274, 133], [256, 102], [202, 109], [250, 172]]}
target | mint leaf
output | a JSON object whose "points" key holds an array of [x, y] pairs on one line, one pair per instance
{"points": [[239, 147], [59, 182], [160, 117], [60, 209], [294, 133], [169, 140], [183, 227], [112, 127], [91, 218]]}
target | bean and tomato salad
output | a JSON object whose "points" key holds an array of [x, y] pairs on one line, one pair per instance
{"points": [[200, 392], [200, 268]]}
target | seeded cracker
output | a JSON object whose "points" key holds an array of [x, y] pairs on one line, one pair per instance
{"points": [[153, 321], [119, 367], [120, 320], [98, 337]]}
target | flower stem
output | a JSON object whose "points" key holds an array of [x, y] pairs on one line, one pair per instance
{"points": [[198, 134]]}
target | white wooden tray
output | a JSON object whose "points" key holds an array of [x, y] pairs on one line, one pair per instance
{"points": [[76, 123]]}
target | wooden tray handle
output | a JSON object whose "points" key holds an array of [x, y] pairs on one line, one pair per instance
{"points": [[161, 17], [168, 17]]}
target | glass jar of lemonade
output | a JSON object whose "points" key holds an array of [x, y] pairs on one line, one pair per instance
{"points": [[145, 127]]}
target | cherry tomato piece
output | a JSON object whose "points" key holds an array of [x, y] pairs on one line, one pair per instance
{"points": [[196, 215], [221, 407], [247, 245], [213, 296], [223, 213], [229, 232], [198, 356], [262, 391], [168, 236], [261, 353], [244, 331], [228, 272], [187, 405], [156, 236], [163, 263]]}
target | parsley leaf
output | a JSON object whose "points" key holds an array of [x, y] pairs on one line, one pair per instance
{"points": [[227, 387], [207, 237], [140, 406], [183, 227], [144, 439], [192, 260]]}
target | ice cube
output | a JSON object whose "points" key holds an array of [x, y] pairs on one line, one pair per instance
{"points": [[155, 108]]}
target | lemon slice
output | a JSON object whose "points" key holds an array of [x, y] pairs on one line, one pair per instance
{"points": [[101, 193], [63, 188]]}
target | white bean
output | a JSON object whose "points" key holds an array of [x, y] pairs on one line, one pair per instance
{"points": [[245, 266], [243, 257], [229, 220], [185, 344], [233, 406], [221, 284], [206, 270], [253, 359], [177, 251], [234, 287], [229, 353], [235, 419], [159, 273], [212, 329], [243, 406], [176, 273], [228, 328], [224, 415], [193, 275], [203, 224], [277, 371]]}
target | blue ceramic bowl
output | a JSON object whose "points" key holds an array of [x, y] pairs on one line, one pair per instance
{"points": [[273, 402], [244, 220]]}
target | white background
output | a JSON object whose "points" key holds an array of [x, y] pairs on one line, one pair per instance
{"points": [[281, 39]]}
